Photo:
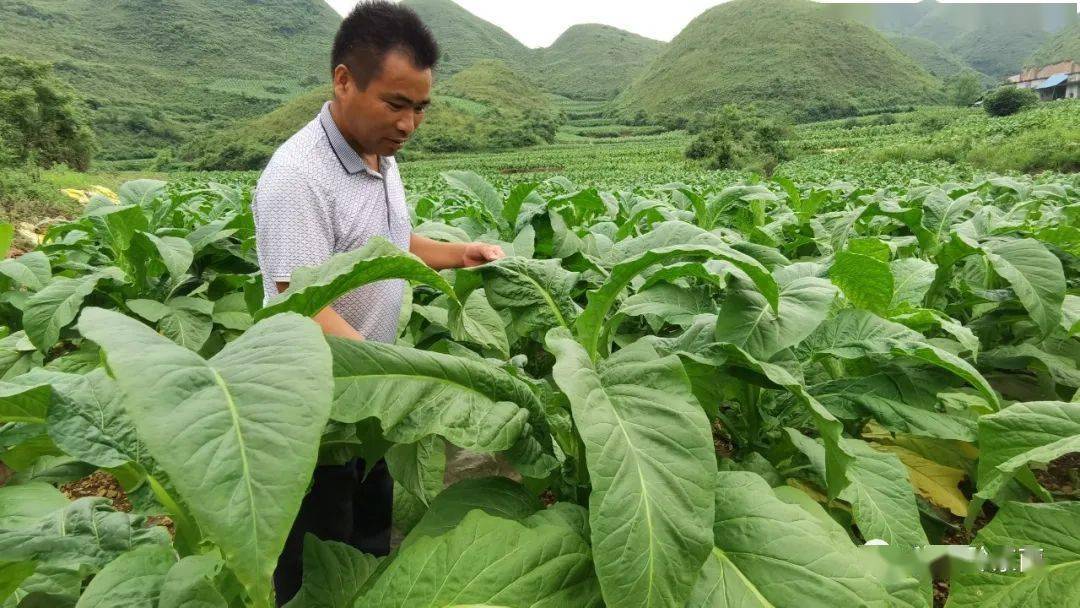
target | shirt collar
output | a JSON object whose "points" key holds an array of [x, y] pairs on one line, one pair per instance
{"points": [[346, 155]]}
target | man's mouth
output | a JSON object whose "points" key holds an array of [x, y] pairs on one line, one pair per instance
{"points": [[399, 142]]}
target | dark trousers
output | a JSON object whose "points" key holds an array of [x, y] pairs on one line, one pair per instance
{"points": [[342, 506]]}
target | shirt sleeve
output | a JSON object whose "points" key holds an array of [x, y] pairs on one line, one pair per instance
{"points": [[294, 224]]}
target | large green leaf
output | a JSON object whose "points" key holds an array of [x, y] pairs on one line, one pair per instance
{"points": [[1063, 369], [175, 252], [414, 394], [188, 322], [488, 560], [25, 400], [496, 496], [1024, 433], [854, 334], [912, 278], [1035, 275], [334, 574], [85, 533], [747, 321], [237, 434], [882, 499], [539, 293], [54, 307], [419, 467], [665, 234], [12, 574], [190, 584], [116, 226], [590, 325], [772, 554], [313, 289], [87, 419], [941, 213], [471, 183], [671, 303], [475, 321], [30, 270], [231, 312], [933, 355], [140, 191], [22, 505], [650, 458], [700, 349], [866, 282], [1055, 530], [900, 417], [132, 580]]}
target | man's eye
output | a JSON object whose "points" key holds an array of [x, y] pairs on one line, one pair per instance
{"points": [[395, 107]]}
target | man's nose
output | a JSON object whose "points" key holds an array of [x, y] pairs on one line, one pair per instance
{"points": [[407, 124]]}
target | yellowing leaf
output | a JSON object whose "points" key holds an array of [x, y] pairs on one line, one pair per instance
{"points": [[78, 195], [103, 191], [934, 482]]}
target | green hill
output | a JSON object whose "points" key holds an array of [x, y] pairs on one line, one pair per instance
{"points": [[932, 57], [1063, 46], [248, 144], [992, 38], [486, 106], [998, 50], [465, 38], [788, 56], [588, 61], [594, 62], [153, 72]]}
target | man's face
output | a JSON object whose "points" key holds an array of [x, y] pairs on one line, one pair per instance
{"points": [[382, 116]]}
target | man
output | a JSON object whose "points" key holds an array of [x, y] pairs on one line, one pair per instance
{"points": [[329, 189]]}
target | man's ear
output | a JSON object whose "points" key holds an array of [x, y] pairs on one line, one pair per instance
{"points": [[342, 81]]}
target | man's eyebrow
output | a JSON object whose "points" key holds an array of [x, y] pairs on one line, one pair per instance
{"points": [[398, 97]]}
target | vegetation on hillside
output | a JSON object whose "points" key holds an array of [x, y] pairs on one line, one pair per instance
{"points": [[1041, 138], [247, 144], [965, 89], [41, 121], [933, 58], [1009, 100], [593, 61], [1063, 46], [992, 38], [588, 61], [487, 106], [788, 56], [155, 73], [465, 38], [998, 50], [736, 138]]}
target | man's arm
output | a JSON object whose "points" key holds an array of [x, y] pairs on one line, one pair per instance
{"points": [[441, 256], [331, 322]]}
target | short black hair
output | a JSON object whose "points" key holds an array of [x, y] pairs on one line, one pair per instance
{"points": [[375, 28]]}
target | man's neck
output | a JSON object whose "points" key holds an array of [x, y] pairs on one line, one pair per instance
{"points": [[370, 159]]}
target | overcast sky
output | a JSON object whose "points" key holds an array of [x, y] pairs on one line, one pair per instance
{"points": [[540, 22]]}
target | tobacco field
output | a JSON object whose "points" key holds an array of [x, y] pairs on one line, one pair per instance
{"points": [[712, 394]]}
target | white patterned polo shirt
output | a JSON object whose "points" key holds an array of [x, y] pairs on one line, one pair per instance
{"points": [[318, 197]]}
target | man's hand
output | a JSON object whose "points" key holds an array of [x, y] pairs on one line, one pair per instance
{"points": [[476, 254], [441, 256]]}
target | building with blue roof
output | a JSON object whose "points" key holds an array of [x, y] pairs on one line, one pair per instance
{"points": [[1055, 81]]}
